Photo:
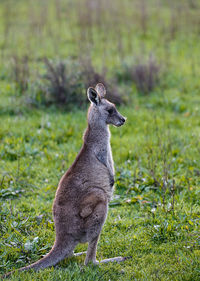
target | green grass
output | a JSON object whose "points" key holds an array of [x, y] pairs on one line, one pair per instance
{"points": [[38, 146], [154, 215]]}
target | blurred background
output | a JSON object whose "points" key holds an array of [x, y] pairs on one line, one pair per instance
{"points": [[52, 50]]}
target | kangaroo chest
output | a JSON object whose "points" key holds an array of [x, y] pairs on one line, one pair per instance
{"points": [[104, 155]]}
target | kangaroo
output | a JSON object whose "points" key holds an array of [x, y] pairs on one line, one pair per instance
{"points": [[81, 203]]}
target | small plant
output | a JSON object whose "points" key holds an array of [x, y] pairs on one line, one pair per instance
{"points": [[145, 75], [91, 77], [65, 84], [20, 72], [62, 87], [163, 232]]}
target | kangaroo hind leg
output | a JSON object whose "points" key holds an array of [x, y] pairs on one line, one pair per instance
{"points": [[94, 225], [91, 252]]}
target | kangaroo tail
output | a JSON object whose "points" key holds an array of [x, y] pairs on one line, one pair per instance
{"points": [[57, 253]]}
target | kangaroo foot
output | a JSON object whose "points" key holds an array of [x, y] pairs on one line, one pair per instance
{"points": [[79, 254], [115, 259], [95, 262], [72, 254]]}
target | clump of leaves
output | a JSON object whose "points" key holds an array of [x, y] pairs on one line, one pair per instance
{"points": [[163, 232]]}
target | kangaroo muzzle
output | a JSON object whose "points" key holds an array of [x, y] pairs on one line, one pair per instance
{"points": [[121, 121]]}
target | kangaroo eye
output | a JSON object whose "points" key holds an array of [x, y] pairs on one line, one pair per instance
{"points": [[110, 111]]}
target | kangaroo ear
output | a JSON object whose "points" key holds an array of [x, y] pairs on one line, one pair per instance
{"points": [[101, 90], [93, 96]]}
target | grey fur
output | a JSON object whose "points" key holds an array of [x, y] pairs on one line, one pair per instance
{"points": [[81, 202]]}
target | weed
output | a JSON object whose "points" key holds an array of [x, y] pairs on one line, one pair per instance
{"points": [[145, 75], [63, 87], [65, 82], [20, 72], [92, 77]]}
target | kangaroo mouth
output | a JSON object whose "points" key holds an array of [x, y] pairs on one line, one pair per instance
{"points": [[121, 121], [119, 124]]}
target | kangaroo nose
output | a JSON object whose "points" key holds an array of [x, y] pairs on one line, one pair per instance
{"points": [[123, 119]]}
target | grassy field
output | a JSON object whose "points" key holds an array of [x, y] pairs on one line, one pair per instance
{"points": [[154, 215]]}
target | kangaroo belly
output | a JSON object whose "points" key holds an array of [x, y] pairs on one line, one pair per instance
{"points": [[81, 216]]}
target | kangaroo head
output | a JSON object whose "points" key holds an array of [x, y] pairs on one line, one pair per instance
{"points": [[101, 111]]}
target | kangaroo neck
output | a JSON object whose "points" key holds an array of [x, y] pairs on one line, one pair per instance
{"points": [[97, 135]]}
